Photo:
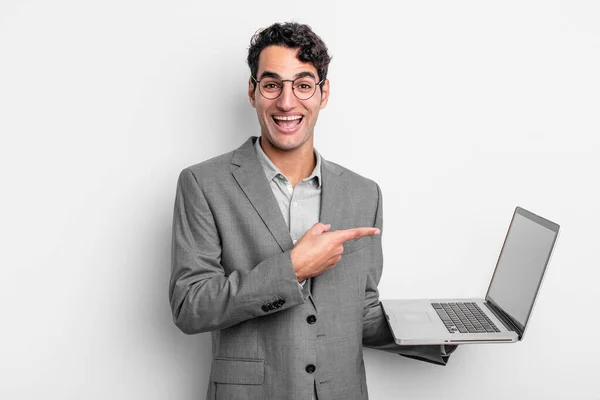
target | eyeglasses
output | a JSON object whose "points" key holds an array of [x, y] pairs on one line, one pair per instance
{"points": [[304, 87]]}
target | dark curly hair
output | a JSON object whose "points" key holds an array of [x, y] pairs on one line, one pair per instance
{"points": [[311, 47]]}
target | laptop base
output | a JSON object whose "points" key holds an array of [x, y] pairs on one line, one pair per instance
{"points": [[416, 322]]}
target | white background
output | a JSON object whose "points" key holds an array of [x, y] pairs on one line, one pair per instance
{"points": [[461, 110]]}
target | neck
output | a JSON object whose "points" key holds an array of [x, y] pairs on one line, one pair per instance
{"points": [[295, 164]]}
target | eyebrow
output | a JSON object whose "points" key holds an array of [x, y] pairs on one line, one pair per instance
{"points": [[270, 74]]}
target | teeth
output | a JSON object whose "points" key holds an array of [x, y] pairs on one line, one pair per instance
{"points": [[287, 118]]}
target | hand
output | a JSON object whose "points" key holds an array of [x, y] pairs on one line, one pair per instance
{"points": [[448, 349], [319, 250]]}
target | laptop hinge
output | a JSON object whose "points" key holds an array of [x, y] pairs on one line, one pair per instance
{"points": [[506, 320]]}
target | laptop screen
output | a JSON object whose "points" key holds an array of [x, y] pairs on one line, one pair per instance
{"points": [[522, 264]]}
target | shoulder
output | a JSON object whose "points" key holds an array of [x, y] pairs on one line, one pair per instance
{"points": [[207, 176], [354, 182], [217, 171], [219, 168], [213, 167]]}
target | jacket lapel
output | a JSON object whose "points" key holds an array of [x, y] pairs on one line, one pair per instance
{"points": [[253, 182], [333, 196]]}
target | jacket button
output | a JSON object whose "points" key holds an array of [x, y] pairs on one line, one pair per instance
{"points": [[281, 302], [310, 368], [311, 319], [265, 308], [270, 306]]}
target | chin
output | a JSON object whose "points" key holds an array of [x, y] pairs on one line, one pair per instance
{"points": [[288, 143]]}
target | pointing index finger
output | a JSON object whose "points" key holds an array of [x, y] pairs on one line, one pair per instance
{"points": [[356, 233]]}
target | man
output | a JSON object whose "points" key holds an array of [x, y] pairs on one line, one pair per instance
{"points": [[277, 251]]}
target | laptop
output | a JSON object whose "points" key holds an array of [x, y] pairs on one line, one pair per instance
{"points": [[500, 317]]}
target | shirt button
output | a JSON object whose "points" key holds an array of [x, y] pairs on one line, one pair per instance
{"points": [[311, 319], [310, 368]]}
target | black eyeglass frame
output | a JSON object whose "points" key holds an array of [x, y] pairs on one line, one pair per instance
{"points": [[293, 91]]}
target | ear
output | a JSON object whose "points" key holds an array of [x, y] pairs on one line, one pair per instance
{"points": [[325, 94], [251, 92]]}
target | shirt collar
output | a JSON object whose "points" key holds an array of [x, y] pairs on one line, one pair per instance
{"points": [[271, 171]]}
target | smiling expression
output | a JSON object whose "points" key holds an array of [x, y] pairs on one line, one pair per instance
{"points": [[286, 122]]}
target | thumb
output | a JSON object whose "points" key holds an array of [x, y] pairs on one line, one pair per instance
{"points": [[319, 228]]}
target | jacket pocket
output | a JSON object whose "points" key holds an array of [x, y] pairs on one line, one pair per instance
{"points": [[237, 371]]}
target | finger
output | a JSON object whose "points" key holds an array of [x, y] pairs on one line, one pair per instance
{"points": [[356, 233], [333, 260], [319, 228]]}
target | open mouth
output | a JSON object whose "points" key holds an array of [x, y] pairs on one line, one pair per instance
{"points": [[287, 122]]}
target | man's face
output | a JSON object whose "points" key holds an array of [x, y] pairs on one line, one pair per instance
{"points": [[278, 118]]}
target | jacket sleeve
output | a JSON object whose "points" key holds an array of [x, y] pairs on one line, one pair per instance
{"points": [[376, 331], [202, 297]]}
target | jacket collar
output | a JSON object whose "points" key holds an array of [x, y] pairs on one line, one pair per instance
{"points": [[271, 170]]}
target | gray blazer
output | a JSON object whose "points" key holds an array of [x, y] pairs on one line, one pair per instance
{"points": [[232, 275]]}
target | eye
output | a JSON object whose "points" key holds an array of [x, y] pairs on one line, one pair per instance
{"points": [[304, 86], [270, 85]]}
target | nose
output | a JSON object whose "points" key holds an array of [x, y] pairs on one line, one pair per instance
{"points": [[287, 98]]}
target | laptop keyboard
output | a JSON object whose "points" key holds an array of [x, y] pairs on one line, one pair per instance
{"points": [[464, 317]]}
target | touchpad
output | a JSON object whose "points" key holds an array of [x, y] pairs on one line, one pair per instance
{"points": [[417, 317]]}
